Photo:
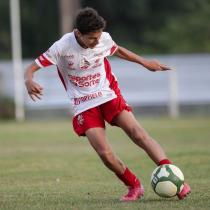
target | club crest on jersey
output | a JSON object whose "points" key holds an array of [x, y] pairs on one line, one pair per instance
{"points": [[84, 64], [80, 119]]}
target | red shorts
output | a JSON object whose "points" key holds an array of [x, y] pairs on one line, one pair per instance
{"points": [[96, 116]]}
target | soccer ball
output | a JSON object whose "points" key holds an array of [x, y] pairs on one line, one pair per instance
{"points": [[167, 180]]}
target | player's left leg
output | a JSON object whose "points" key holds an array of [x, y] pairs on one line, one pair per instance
{"points": [[136, 132]]}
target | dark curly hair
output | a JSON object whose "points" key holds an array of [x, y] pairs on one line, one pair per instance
{"points": [[88, 20]]}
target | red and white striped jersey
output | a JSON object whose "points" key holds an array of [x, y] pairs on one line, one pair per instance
{"points": [[85, 73]]}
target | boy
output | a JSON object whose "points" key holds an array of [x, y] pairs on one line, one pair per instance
{"points": [[83, 67]]}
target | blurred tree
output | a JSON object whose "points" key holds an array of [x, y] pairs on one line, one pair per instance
{"points": [[149, 26], [5, 44], [40, 25], [182, 26]]}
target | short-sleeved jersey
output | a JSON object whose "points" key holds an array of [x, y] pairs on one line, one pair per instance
{"points": [[85, 73]]}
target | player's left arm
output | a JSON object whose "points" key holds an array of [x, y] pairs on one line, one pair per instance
{"points": [[152, 65]]}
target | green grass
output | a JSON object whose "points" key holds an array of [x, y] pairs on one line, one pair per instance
{"points": [[44, 165]]}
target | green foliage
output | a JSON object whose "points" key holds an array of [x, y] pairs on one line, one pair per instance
{"points": [[6, 108], [184, 32], [4, 30], [151, 26], [148, 26], [39, 25]]}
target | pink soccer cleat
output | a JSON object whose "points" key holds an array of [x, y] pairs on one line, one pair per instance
{"points": [[185, 191], [134, 193]]}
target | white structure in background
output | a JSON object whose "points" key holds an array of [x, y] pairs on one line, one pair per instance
{"points": [[174, 101], [141, 88], [17, 60]]}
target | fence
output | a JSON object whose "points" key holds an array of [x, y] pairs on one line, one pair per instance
{"points": [[145, 91]]}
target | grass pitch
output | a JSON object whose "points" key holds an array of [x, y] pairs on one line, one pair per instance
{"points": [[44, 165]]}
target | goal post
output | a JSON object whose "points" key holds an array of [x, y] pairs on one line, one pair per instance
{"points": [[17, 60]]}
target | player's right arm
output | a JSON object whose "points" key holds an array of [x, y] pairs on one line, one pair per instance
{"points": [[35, 91], [48, 58]]}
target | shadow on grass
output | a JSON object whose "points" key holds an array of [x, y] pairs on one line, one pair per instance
{"points": [[114, 201], [159, 200]]}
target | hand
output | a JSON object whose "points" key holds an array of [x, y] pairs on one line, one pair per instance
{"points": [[35, 91], [155, 65]]}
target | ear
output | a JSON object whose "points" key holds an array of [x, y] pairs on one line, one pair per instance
{"points": [[78, 33]]}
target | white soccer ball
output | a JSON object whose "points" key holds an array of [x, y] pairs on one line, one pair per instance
{"points": [[167, 180]]}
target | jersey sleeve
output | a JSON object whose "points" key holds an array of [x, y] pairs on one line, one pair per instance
{"points": [[111, 46], [50, 57]]}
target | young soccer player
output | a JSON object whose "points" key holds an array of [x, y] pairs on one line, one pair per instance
{"points": [[83, 67]]}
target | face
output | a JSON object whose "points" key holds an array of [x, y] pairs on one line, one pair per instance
{"points": [[89, 40]]}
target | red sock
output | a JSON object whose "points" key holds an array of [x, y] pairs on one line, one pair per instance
{"points": [[129, 178], [164, 161]]}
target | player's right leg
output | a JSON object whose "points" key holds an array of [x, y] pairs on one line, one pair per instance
{"points": [[99, 142]]}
